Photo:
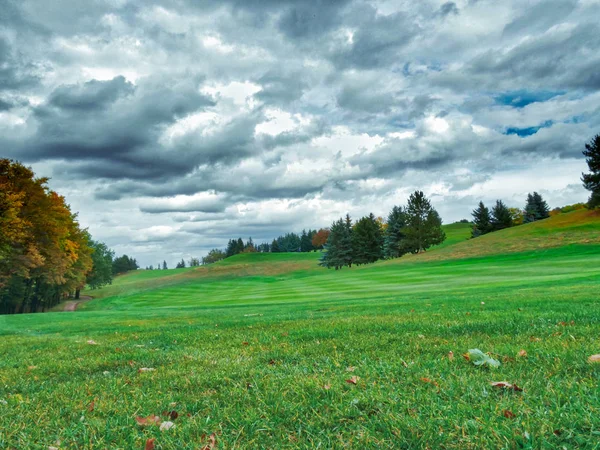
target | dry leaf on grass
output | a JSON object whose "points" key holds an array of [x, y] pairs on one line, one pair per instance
{"points": [[212, 442], [92, 342], [508, 414], [451, 355], [327, 387], [149, 444], [150, 420], [429, 380], [350, 369], [146, 369], [522, 353], [353, 380], [506, 385], [594, 359]]}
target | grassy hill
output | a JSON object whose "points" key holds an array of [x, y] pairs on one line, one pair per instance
{"points": [[271, 351]]}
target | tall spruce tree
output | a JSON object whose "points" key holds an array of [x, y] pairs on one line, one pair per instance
{"points": [[536, 208], [424, 225], [367, 241], [481, 220], [275, 246], [501, 217], [591, 180], [394, 245]]}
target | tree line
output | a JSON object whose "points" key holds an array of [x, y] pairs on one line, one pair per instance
{"points": [[409, 229]]}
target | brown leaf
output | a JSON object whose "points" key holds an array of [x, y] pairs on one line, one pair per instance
{"points": [[91, 406], [327, 387], [350, 369], [353, 380], [245, 343], [451, 355], [150, 420], [149, 444], [466, 356], [272, 362], [146, 369], [212, 442], [92, 342], [508, 414], [594, 359], [172, 415], [506, 385], [429, 380], [522, 353]]}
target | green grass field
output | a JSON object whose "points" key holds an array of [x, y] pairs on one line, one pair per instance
{"points": [[258, 349]]}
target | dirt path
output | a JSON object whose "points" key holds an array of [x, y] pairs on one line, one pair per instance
{"points": [[71, 305]]}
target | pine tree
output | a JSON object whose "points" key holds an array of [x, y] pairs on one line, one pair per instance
{"points": [[424, 225], [346, 252], [393, 246], [305, 242], [536, 208], [275, 246], [164, 265], [591, 181], [481, 220], [501, 217], [543, 210], [367, 241]]}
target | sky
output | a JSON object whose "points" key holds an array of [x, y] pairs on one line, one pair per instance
{"points": [[172, 126]]}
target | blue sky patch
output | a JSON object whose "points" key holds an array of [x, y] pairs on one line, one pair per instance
{"points": [[523, 132], [522, 98]]}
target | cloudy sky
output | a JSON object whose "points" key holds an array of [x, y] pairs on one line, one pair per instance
{"points": [[174, 125]]}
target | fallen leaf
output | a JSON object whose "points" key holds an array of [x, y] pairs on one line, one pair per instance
{"points": [[272, 362], [557, 432], [149, 444], [505, 385], [594, 359], [522, 353], [91, 406], [327, 387], [92, 342], [451, 355], [353, 380], [466, 356], [245, 343], [166, 426], [212, 442], [429, 380], [150, 420], [32, 367], [508, 414], [146, 369], [350, 369], [172, 415], [52, 448]]}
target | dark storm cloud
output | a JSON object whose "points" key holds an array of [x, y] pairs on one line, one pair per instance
{"points": [[378, 42], [191, 111]]}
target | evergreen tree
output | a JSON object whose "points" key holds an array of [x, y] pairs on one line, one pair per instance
{"points": [[393, 245], [536, 208], [275, 246], [501, 217], [482, 222], [305, 242], [424, 225], [346, 252], [591, 181], [333, 256], [367, 241], [239, 246], [164, 265]]}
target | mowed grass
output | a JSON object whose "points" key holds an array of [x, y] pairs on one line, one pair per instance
{"points": [[262, 359]]}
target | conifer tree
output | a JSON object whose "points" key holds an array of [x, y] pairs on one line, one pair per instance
{"points": [[501, 217], [394, 246], [481, 220], [424, 225], [591, 180], [367, 241], [536, 208], [275, 246]]}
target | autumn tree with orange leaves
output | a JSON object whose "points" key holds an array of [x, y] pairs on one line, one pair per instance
{"points": [[44, 254]]}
